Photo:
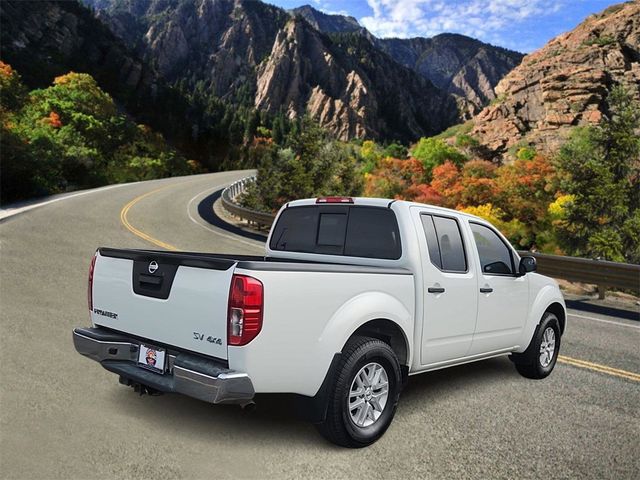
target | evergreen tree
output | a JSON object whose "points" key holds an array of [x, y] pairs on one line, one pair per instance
{"points": [[601, 172]]}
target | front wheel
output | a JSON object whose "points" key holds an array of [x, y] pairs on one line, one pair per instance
{"points": [[366, 388], [538, 360]]}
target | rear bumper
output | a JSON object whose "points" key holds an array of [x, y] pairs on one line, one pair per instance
{"points": [[189, 374]]}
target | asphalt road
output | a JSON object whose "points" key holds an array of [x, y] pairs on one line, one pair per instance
{"points": [[62, 416]]}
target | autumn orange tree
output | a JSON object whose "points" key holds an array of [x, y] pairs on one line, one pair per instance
{"points": [[514, 196], [393, 177]]}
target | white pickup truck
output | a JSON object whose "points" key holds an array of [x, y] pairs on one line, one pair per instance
{"points": [[352, 297]]}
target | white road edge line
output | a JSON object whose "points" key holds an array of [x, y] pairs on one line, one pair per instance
{"points": [[10, 212], [235, 238], [604, 321]]}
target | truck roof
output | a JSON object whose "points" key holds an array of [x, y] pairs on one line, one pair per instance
{"points": [[385, 202]]}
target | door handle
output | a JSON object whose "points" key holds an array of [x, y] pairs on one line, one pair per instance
{"points": [[435, 290], [486, 290]]}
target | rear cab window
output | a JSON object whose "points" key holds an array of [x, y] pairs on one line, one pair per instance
{"points": [[347, 230]]}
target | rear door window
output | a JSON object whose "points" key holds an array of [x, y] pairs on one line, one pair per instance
{"points": [[444, 242], [355, 231]]}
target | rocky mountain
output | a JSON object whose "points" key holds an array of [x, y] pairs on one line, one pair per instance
{"points": [[207, 63], [328, 23], [564, 84], [349, 86], [459, 65], [252, 53]]}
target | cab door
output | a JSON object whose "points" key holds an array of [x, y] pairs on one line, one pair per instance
{"points": [[449, 288], [503, 295]]}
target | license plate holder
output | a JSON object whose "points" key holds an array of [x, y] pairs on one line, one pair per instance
{"points": [[152, 358]]}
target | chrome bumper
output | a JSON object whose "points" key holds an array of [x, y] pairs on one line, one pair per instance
{"points": [[191, 375]]}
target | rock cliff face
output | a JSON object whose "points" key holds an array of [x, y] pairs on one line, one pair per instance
{"points": [[218, 42], [350, 88], [565, 83]]}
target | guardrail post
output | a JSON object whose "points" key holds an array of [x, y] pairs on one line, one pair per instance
{"points": [[602, 289]]}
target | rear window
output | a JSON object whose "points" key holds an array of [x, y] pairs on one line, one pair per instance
{"points": [[354, 231]]}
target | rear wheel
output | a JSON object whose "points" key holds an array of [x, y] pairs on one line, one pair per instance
{"points": [[366, 388], [538, 360]]}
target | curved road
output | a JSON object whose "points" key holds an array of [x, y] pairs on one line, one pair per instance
{"points": [[62, 416]]}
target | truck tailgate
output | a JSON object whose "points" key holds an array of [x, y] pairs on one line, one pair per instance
{"points": [[170, 298]]}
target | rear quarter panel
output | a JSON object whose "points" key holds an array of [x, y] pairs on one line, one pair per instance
{"points": [[309, 316]]}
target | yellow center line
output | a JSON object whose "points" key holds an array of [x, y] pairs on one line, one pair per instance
{"points": [[140, 233], [596, 367]]}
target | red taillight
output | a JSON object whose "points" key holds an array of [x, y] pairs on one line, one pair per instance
{"points": [[92, 266], [334, 200], [246, 301]]}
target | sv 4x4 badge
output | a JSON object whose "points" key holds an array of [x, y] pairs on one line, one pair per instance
{"points": [[210, 339]]}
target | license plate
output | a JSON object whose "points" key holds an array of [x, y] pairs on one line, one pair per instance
{"points": [[152, 358]]}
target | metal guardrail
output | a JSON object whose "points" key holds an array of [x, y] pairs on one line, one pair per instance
{"points": [[229, 195], [602, 273]]}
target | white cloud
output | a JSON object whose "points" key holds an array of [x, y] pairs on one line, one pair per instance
{"points": [[489, 20]]}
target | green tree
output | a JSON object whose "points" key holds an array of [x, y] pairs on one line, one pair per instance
{"points": [[312, 165], [371, 154], [395, 150], [600, 169], [253, 121], [71, 135], [433, 152]]}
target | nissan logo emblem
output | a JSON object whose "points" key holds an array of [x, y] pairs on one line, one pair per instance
{"points": [[153, 266]]}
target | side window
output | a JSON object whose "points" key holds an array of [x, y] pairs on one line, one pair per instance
{"points": [[444, 241], [495, 256]]}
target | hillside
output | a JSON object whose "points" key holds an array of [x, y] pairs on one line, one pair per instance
{"points": [[459, 65], [564, 84], [43, 40]]}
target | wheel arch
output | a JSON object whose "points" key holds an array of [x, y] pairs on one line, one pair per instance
{"points": [[389, 332], [558, 310]]}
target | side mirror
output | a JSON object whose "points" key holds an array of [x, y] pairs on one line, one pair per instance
{"points": [[527, 264]]}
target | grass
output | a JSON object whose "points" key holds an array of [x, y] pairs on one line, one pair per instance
{"points": [[600, 41], [455, 130]]}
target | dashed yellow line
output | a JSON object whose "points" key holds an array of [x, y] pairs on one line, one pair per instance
{"points": [[596, 367], [140, 233]]}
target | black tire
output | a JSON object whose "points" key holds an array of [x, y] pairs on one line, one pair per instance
{"points": [[528, 363], [338, 427]]}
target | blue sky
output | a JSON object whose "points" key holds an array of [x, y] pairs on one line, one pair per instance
{"points": [[522, 25]]}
